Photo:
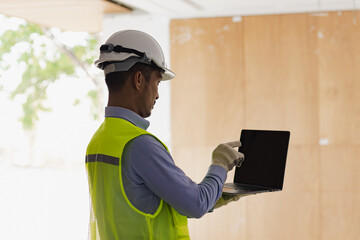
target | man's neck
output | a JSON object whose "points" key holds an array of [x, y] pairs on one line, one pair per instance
{"points": [[124, 103]]}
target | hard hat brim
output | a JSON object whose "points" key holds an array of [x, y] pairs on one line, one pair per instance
{"points": [[168, 74], [125, 65]]}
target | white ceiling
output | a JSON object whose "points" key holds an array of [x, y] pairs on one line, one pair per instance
{"points": [[218, 8], [87, 15], [74, 15]]}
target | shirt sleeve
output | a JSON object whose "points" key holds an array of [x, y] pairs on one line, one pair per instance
{"points": [[155, 167]]}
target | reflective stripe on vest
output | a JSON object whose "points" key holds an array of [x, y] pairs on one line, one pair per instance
{"points": [[112, 214]]}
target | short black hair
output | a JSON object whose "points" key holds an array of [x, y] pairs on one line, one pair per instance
{"points": [[116, 80]]}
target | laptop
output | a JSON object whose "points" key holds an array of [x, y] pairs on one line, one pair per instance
{"points": [[263, 169]]}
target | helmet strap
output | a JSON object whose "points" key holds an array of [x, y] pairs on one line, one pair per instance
{"points": [[119, 49]]}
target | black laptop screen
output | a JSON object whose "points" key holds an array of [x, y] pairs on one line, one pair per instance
{"points": [[265, 158]]}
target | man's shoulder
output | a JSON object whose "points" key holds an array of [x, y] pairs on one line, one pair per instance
{"points": [[147, 145], [146, 151], [147, 140]]}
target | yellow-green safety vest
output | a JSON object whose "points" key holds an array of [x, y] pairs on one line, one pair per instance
{"points": [[112, 215]]}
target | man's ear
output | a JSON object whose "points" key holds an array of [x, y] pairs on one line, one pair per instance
{"points": [[138, 80]]}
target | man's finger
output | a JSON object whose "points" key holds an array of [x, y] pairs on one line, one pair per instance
{"points": [[234, 144]]}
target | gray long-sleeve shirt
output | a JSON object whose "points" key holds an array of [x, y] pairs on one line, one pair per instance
{"points": [[150, 174]]}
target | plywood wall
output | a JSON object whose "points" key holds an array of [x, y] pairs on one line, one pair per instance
{"points": [[293, 72]]}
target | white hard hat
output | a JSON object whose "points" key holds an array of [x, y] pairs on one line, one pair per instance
{"points": [[125, 48]]}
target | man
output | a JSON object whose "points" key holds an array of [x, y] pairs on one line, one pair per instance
{"points": [[137, 191]]}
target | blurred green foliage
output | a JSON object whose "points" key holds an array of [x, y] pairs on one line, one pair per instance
{"points": [[44, 64], [94, 96]]}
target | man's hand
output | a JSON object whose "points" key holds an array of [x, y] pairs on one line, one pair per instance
{"points": [[226, 156], [227, 198]]}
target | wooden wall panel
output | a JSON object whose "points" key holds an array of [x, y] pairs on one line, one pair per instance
{"points": [[340, 187], [339, 77], [211, 68], [280, 75], [293, 213], [340, 215], [287, 215], [296, 72], [340, 168], [302, 169], [223, 223], [339, 113]]}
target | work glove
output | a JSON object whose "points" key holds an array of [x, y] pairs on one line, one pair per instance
{"points": [[226, 156], [227, 198]]}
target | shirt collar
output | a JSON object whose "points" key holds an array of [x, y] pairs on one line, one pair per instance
{"points": [[128, 115]]}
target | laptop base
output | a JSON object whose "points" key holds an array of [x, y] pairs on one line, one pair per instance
{"points": [[236, 188]]}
